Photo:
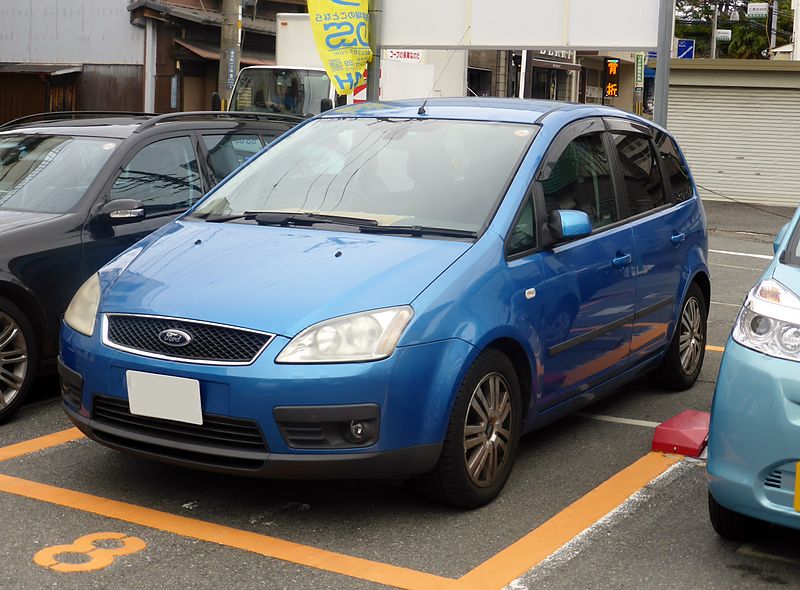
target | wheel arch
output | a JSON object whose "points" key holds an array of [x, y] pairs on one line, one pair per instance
{"points": [[27, 303], [522, 366]]}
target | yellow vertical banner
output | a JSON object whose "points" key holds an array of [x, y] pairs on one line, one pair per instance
{"points": [[341, 33]]}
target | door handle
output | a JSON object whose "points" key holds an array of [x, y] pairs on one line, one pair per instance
{"points": [[676, 239], [622, 260]]}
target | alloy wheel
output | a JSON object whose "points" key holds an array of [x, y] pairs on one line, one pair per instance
{"points": [[13, 360], [692, 339], [487, 429]]}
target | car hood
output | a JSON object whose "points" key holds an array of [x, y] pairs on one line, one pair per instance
{"points": [[278, 280], [14, 220]]}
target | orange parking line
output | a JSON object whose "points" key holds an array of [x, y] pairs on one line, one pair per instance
{"points": [[538, 545], [37, 444], [716, 348], [354, 567]]}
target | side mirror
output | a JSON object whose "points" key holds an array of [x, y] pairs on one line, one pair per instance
{"points": [[121, 211], [779, 238], [568, 225], [325, 104]]}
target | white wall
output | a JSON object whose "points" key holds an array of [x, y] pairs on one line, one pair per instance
{"points": [[69, 31]]}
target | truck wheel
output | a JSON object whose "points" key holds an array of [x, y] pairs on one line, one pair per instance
{"points": [[482, 436], [732, 525], [684, 359], [18, 358]]}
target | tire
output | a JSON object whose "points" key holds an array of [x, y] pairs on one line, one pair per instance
{"points": [[451, 481], [732, 525], [18, 358], [679, 372]]}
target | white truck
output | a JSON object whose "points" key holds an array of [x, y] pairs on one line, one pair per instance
{"points": [[300, 86]]}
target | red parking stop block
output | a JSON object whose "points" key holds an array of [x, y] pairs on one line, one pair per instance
{"points": [[684, 434]]}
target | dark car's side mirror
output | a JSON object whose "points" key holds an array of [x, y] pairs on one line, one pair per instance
{"points": [[121, 211], [568, 225], [325, 104]]}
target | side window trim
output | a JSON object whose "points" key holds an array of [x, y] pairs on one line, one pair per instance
{"points": [[530, 197]]}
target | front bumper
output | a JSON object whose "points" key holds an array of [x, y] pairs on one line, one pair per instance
{"points": [[754, 438], [407, 398]]}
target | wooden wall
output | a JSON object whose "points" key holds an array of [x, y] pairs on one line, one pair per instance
{"points": [[20, 95], [111, 88]]}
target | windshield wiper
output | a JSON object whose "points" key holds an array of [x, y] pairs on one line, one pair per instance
{"points": [[418, 231], [285, 219]]}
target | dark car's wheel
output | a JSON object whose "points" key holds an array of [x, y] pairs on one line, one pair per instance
{"points": [[17, 358], [732, 525], [684, 359], [482, 436]]}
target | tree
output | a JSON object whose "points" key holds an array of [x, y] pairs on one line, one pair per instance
{"points": [[749, 38]]}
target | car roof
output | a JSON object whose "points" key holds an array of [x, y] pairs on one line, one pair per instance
{"points": [[121, 126], [510, 110]]}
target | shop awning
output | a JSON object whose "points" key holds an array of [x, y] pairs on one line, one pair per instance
{"points": [[48, 69], [554, 65], [198, 15], [210, 51]]}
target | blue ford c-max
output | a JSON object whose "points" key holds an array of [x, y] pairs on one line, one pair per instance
{"points": [[392, 290]]}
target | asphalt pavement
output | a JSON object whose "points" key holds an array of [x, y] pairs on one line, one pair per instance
{"points": [[549, 529]]}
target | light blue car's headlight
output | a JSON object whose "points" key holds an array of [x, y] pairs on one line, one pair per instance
{"points": [[366, 336], [769, 321]]}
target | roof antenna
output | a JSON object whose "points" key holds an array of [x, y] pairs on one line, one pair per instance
{"points": [[421, 110]]}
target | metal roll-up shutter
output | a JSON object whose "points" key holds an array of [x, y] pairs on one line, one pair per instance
{"points": [[743, 143]]}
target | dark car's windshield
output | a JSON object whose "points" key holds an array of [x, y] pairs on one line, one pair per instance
{"points": [[408, 172], [49, 173]]}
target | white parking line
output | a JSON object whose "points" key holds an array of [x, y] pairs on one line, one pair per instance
{"points": [[736, 267], [736, 305], [748, 255], [616, 420]]}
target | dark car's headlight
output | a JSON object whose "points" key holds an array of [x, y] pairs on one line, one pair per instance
{"points": [[366, 336], [769, 321], [82, 310]]}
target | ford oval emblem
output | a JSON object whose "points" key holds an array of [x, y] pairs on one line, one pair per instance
{"points": [[175, 338]]}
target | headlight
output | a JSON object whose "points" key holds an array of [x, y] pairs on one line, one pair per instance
{"points": [[769, 321], [367, 336], [82, 310]]}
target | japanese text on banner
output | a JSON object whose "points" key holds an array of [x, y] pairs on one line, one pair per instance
{"points": [[341, 33]]}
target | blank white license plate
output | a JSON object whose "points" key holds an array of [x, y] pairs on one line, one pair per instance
{"points": [[162, 396]]}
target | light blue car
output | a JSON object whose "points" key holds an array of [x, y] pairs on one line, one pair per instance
{"points": [[754, 442]]}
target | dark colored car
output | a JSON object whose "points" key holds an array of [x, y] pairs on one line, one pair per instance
{"points": [[77, 191]]}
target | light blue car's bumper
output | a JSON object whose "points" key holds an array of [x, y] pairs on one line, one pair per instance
{"points": [[754, 441]]}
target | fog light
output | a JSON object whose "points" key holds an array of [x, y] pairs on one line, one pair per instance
{"points": [[357, 432]]}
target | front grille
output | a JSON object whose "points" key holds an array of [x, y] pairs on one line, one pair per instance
{"points": [[209, 343], [222, 441], [774, 479]]}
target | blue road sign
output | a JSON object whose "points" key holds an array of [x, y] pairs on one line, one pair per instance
{"points": [[652, 54], [685, 48]]}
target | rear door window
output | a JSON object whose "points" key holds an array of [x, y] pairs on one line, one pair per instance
{"points": [[164, 176], [674, 167], [581, 180], [640, 172], [227, 152]]}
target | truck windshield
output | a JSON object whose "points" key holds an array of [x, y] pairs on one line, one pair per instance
{"points": [[49, 173], [281, 90], [398, 172]]}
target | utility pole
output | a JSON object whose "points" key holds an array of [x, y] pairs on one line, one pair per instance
{"points": [[374, 67], [773, 34], [714, 32], [666, 22], [796, 30], [230, 48]]}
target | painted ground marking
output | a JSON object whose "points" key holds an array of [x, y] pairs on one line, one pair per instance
{"points": [[99, 557], [496, 572]]}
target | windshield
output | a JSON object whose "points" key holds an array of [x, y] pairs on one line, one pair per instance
{"points": [[275, 90], [49, 173], [436, 173]]}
